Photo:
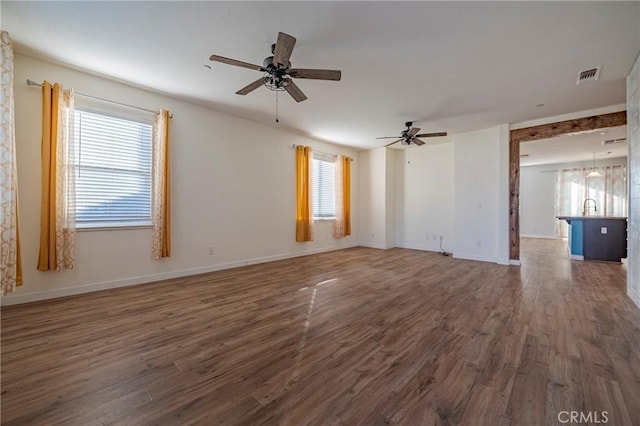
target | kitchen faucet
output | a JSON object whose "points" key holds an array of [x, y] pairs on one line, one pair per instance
{"points": [[585, 206]]}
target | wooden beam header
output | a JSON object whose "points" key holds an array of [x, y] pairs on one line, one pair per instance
{"points": [[550, 130]]}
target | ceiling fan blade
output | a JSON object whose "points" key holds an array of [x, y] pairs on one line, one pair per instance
{"points": [[413, 131], [417, 141], [334, 75], [235, 62], [388, 137], [251, 87], [284, 47], [389, 144], [295, 92], [432, 135]]}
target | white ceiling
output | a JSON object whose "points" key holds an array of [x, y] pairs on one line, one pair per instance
{"points": [[456, 66], [572, 148]]}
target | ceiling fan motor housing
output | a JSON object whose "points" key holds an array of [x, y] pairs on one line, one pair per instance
{"points": [[270, 66], [268, 63]]}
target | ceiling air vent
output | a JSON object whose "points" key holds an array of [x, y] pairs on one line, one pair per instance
{"points": [[614, 141], [588, 75], [524, 155]]}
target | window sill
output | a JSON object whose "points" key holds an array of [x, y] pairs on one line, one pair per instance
{"points": [[113, 227], [322, 219]]}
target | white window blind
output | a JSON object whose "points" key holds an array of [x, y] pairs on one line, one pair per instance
{"points": [[113, 176], [323, 188]]}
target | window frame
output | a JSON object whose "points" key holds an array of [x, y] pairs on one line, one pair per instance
{"points": [[327, 159], [120, 113]]}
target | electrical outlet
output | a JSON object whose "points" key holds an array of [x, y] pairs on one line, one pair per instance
{"points": [[211, 251]]}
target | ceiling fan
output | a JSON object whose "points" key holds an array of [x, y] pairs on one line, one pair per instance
{"points": [[278, 72], [410, 135]]}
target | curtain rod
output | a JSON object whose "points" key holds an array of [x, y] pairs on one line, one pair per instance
{"points": [[33, 83], [322, 152], [580, 168]]}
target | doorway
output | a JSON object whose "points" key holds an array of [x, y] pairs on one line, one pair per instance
{"points": [[545, 131]]}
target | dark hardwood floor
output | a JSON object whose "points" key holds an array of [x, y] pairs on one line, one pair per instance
{"points": [[357, 336]]}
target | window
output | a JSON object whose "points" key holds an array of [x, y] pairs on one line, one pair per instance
{"points": [[323, 188], [113, 176]]}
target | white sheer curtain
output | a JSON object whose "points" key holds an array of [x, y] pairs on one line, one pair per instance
{"points": [[160, 199], [11, 274], [573, 187]]}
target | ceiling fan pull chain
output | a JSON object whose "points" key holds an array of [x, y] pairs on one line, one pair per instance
{"points": [[277, 121]]}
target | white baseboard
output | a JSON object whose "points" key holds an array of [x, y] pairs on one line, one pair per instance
{"points": [[577, 257], [478, 258], [542, 236], [455, 255], [375, 246], [417, 247], [633, 296], [146, 279], [515, 262]]}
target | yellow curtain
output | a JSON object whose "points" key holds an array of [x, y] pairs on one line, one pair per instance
{"points": [[57, 209], [161, 212], [346, 194], [47, 258], [304, 218]]}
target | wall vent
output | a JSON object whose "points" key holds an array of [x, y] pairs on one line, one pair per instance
{"points": [[588, 75], [614, 141], [524, 155]]}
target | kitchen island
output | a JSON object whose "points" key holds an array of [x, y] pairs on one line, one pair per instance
{"points": [[597, 237]]}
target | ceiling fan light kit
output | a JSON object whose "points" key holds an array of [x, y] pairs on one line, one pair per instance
{"points": [[278, 74]]}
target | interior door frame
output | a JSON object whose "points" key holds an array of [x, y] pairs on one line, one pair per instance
{"points": [[544, 131]]}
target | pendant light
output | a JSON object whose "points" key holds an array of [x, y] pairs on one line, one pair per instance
{"points": [[595, 172]]}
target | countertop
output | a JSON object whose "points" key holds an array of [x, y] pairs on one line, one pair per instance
{"points": [[592, 217]]}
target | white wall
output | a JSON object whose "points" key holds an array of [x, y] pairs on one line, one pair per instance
{"points": [[504, 206], [425, 183], [390, 194], [537, 202], [377, 198], [459, 191], [232, 187], [372, 206], [477, 157], [538, 196], [633, 136]]}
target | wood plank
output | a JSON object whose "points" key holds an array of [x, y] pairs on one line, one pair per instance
{"points": [[356, 336], [546, 131]]}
